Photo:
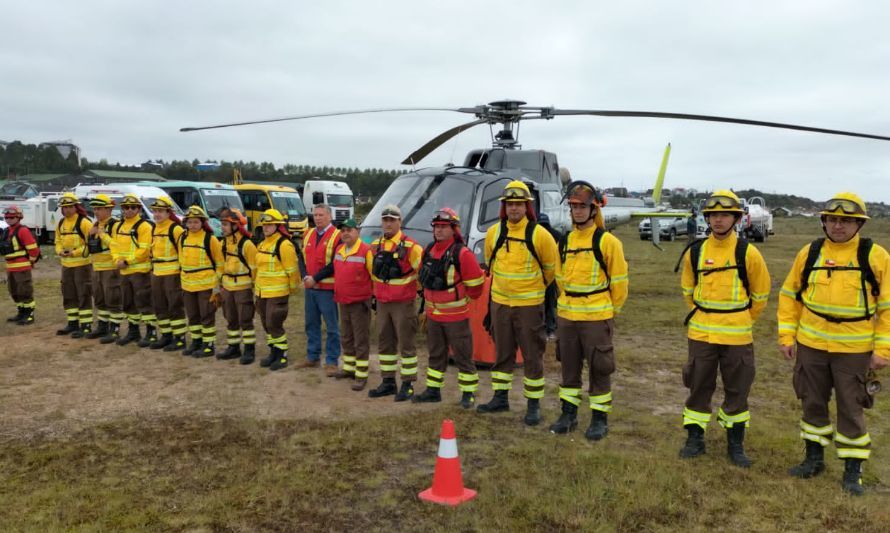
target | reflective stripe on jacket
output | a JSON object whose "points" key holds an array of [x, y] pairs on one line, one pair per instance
{"points": [[135, 251], [582, 273], [516, 278]]}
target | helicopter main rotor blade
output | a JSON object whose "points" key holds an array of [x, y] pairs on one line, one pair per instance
{"points": [[437, 141], [710, 118], [329, 114]]}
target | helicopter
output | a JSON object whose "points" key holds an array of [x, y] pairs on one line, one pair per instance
{"points": [[473, 189]]}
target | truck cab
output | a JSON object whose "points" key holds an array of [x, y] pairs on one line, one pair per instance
{"points": [[336, 194]]}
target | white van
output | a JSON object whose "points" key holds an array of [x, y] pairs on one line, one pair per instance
{"points": [[336, 194]]}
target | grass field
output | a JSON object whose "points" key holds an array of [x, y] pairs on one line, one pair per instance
{"points": [[96, 438]]}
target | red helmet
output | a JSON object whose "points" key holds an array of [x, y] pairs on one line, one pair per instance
{"points": [[13, 211], [446, 215]]}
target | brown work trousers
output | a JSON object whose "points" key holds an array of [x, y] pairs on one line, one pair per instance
{"points": [[273, 313], [199, 310], [521, 327], [440, 336], [77, 285], [355, 329], [578, 342], [107, 293], [136, 296], [20, 286], [736, 366], [396, 332], [166, 297], [816, 373], [238, 309]]}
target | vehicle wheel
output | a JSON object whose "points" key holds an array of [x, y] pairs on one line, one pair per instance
{"points": [[642, 237], [672, 236]]}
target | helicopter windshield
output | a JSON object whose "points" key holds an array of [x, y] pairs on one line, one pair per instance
{"points": [[420, 197]]}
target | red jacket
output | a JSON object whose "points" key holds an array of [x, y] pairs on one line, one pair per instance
{"points": [[352, 273], [25, 250], [320, 253], [451, 305], [407, 254]]}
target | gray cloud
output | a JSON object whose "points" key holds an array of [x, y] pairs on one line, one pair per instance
{"points": [[121, 78]]}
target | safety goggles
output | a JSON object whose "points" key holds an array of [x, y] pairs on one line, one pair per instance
{"points": [[444, 217], [11, 216], [130, 207], [848, 207], [723, 201], [268, 219], [515, 194]]}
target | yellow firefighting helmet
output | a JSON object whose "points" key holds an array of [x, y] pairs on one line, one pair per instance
{"points": [[68, 199], [723, 201], [516, 191], [101, 200], [272, 216], [845, 204], [131, 199], [162, 202], [195, 212]]}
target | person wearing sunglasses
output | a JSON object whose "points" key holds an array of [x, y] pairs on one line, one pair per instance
{"points": [[450, 276], [834, 322], [77, 272], [726, 285], [592, 278], [20, 251], [131, 252]]}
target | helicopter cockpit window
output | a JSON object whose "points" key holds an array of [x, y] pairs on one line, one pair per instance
{"points": [[491, 203], [420, 197]]}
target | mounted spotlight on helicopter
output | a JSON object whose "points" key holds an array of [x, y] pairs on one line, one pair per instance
{"points": [[474, 187]]}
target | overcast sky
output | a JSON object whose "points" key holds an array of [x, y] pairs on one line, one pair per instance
{"points": [[120, 79]]}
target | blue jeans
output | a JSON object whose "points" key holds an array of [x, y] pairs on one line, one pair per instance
{"points": [[318, 304]]}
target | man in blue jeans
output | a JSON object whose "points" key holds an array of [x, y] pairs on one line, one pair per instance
{"points": [[319, 245]]}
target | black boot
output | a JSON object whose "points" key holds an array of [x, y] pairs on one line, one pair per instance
{"points": [[853, 477], [131, 336], [695, 442], [265, 362], [68, 329], [85, 329], [232, 351], [100, 331], [150, 337], [162, 342], [280, 360], [386, 388], [467, 400], [177, 343], [430, 395], [567, 421], [194, 347], [499, 402], [735, 438], [406, 392], [207, 350], [532, 412], [249, 354], [813, 463], [18, 316], [27, 318], [599, 426], [112, 334]]}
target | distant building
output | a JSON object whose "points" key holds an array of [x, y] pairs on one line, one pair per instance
{"points": [[60, 182], [207, 167], [65, 148], [4, 144], [781, 212]]}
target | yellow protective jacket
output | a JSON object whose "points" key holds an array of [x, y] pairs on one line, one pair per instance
{"points": [[582, 273], [103, 261], [200, 261], [517, 280], [69, 238], [237, 274], [837, 293], [164, 248], [724, 290], [276, 277], [132, 243]]}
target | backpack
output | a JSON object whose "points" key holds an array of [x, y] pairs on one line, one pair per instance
{"points": [[206, 248], [276, 251], [386, 266], [741, 250], [866, 275], [77, 229], [6, 244], [134, 231], [434, 272], [596, 248], [529, 242], [243, 260]]}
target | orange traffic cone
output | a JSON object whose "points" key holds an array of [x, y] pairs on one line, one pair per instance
{"points": [[448, 483]]}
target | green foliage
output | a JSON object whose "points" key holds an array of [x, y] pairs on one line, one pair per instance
{"points": [[33, 159]]}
